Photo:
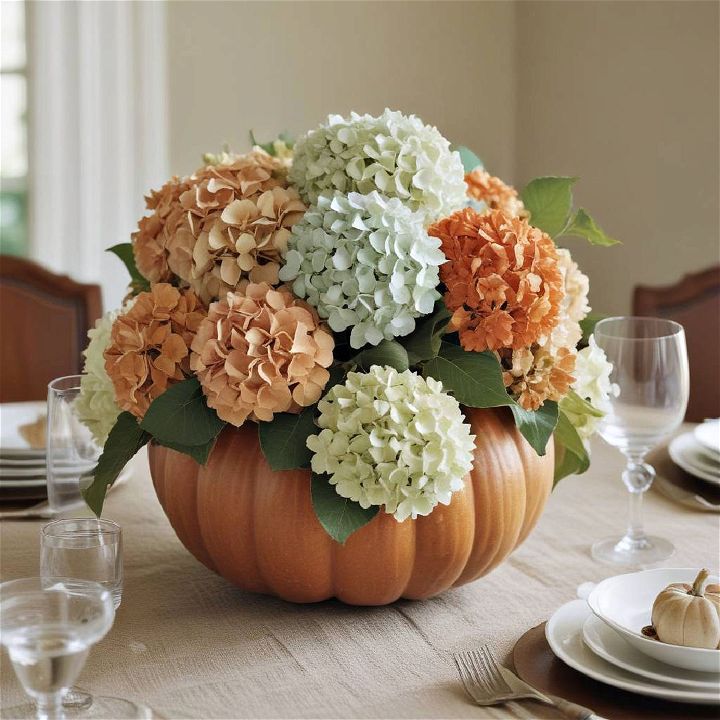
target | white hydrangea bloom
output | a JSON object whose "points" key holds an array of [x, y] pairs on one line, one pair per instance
{"points": [[395, 154], [394, 439], [95, 404], [574, 307], [365, 262], [592, 383]]}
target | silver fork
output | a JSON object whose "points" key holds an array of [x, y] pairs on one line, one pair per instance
{"points": [[488, 683]]}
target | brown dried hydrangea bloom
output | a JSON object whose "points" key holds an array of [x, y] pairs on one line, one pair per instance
{"points": [[149, 345], [491, 190], [155, 231], [503, 283], [238, 215], [261, 351], [534, 375]]}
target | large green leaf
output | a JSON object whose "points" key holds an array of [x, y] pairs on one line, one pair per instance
{"points": [[587, 325], [570, 454], [124, 251], [199, 453], [339, 516], [573, 404], [283, 439], [469, 159], [181, 416], [549, 200], [124, 440], [536, 426], [424, 343], [474, 378], [582, 225], [387, 352]]}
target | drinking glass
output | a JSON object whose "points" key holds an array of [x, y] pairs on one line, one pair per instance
{"points": [[72, 453], [650, 371], [48, 627], [86, 549]]}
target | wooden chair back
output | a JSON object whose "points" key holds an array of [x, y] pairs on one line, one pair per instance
{"points": [[44, 319], [694, 302]]}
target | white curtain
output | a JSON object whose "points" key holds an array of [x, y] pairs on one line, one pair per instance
{"points": [[98, 131]]}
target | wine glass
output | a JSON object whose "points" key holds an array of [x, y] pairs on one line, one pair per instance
{"points": [[48, 626], [650, 372]]}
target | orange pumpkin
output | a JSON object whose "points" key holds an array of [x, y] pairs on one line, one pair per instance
{"points": [[257, 528]]}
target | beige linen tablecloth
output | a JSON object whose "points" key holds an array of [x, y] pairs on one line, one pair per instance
{"points": [[192, 646]]}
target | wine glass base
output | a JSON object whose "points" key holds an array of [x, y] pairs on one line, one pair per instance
{"points": [[101, 708], [627, 551]]}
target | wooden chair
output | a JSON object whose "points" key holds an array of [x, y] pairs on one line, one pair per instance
{"points": [[44, 319], [694, 302]]}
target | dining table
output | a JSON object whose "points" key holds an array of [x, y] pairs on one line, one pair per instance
{"points": [[191, 645]]}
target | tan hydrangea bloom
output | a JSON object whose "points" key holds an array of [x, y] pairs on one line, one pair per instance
{"points": [[238, 215], [155, 231], [491, 190], [261, 351], [149, 345]]}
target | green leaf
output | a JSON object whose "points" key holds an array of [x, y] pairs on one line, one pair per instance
{"points": [[469, 159], [587, 325], [283, 439], [570, 454], [268, 147], [582, 225], [536, 426], [124, 440], [124, 251], [549, 200], [199, 453], [387, 352], [337, 376], [474, 378], [181, 416], [424, 343], [572, 403], [339, 516]]}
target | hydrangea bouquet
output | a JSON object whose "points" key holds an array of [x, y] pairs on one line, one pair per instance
{"points": [[351, 294]]}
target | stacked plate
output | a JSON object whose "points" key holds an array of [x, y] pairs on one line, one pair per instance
{"points": [[22, 466], [698, 452], [601, 637]]}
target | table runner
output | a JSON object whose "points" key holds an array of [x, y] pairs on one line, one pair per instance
{"points": [[192, 646]]}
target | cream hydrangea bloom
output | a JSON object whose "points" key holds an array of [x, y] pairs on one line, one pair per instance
{"points": [[592, 383], [366, 263], [394, 439], [95, 405], [395, 154]]}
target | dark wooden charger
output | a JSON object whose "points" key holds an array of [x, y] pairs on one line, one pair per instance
{"points": [[536, 664]]}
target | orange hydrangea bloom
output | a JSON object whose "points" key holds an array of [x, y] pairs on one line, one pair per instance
{"points": [[503, 283], [149, 345], [261, 351], [484, 187]]}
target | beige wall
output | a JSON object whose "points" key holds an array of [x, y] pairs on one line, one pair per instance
{"points": [[275, 66], [625, 95]]}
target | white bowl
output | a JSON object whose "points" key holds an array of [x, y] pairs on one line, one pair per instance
{"points": [[624, 602]]}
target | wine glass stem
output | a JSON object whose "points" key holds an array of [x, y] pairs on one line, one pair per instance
{"points": [[635, 530], [49, 707], [638, 477]]}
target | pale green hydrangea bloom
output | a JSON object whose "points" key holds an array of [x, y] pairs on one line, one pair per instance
{"points": [[394, 439], [365, 262], [95, 405], [395, 154], [592, 383]]}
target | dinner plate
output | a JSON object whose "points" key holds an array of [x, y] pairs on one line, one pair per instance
{"points": [[12, 416], [26, 482], [564, 633], [15, 473], [606, 643], [686, 452], [708, 435]]}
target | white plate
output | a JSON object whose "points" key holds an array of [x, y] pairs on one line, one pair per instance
{"points": [[708, 435], [20, 462], [29, 482], [686, 452], [15, 473], [624, 602], [12, 416], [606, 643], [564, 635]]}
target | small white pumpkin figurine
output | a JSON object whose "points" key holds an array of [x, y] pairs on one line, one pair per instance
{"points": [[683, 614]]}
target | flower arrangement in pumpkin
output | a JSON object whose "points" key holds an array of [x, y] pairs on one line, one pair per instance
{"points": [[336, 292]]}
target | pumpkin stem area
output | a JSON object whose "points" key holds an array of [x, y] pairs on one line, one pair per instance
{"points": [[697, 588]]}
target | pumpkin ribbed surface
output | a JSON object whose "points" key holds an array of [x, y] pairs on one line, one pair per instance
{"points": [[257, 528]]}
